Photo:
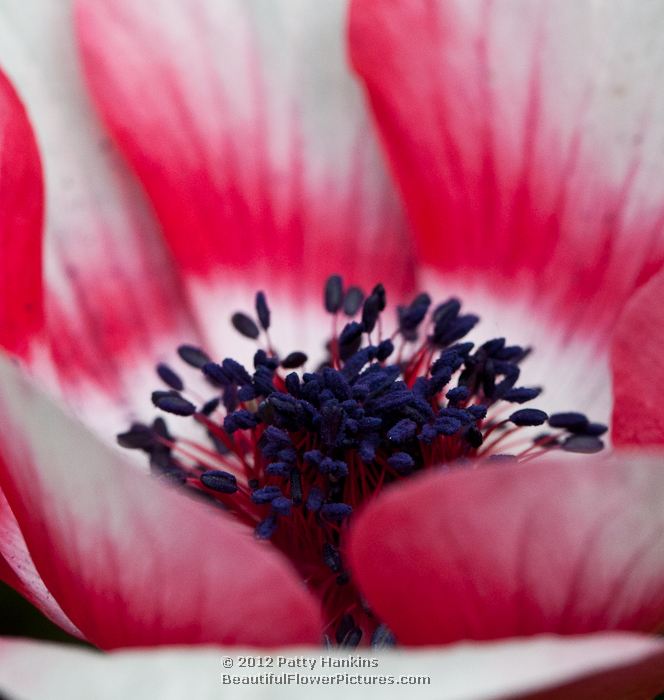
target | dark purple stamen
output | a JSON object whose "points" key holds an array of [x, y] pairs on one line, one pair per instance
{"points": [[294, 454]]}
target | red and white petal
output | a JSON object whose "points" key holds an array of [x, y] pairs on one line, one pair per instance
{"points": [[130, 561], [18, 570], [638, 368], [606, 666], [567, 548], [250, 136], [112, 297], [21, 214], [526, 140]]}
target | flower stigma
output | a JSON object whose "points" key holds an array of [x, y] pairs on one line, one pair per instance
{"points": [[293, 454]]}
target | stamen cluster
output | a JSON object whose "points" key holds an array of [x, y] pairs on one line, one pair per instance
{"points": [[293, 454]]}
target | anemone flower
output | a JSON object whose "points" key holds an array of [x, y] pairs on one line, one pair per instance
{"points": [[319, 470]]}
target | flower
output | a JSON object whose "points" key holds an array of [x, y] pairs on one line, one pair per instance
{"points": [[528, 175]]}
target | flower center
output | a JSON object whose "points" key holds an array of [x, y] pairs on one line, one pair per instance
{"points": [[292, 455]]}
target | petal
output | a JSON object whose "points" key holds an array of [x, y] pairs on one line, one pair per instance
{"points": [[112, 297], [606, 666], [132, 562], [526, 139], [638, 368], [251, 139], [18, 570], [21, 213], [569, 548]]}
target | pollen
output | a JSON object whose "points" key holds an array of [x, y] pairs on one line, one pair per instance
{"points": [[292, 454]]}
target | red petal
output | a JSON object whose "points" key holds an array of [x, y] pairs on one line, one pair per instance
{"points": [[611, 667], [112, 296], [638, 368], [526, 139], [251, 140], [21, 212], [132, 562], [18, 570], [566, 548]]}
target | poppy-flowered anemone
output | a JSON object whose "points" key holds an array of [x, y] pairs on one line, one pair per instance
{"points": [[530, 179]]}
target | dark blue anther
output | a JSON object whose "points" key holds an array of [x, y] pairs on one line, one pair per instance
{"points": [[236, 371], [193, 356], [428, 434], [351, 333], [334, 294], [528, 416], [411, 316], [352, 639], [336, 383], [521, 394], [276, 436], [293, 384], [169, 377], [282, 505], [402, 431], [229, 397], [263, 381], [512, 353], [439, 380], [266, 528], [455, 330], [353, 300], [473, 437], [393, 400], [239, 420], [382, 638], [446, 312], [288, 454], [265, 495], [293, 360], [353, 366], [261, 358], [458, 395], [216, 373], [402, 462], [335, 512], [583, 444], [173, 403], [315, 499], [370, 423], [220, 481], [245, 325], [569, 420], [333, 467], [313, 457], [138, 437], [278, 469], [262, 310], [448, 426], [477, 411], [384, 350], [246, 393], [209, 407], [595, 429], [370, 312], [379, 292], [331, 557]]}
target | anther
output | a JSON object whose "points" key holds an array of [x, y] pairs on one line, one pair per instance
{"points": [[220, 481], [528, 416], [244, 325]]}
